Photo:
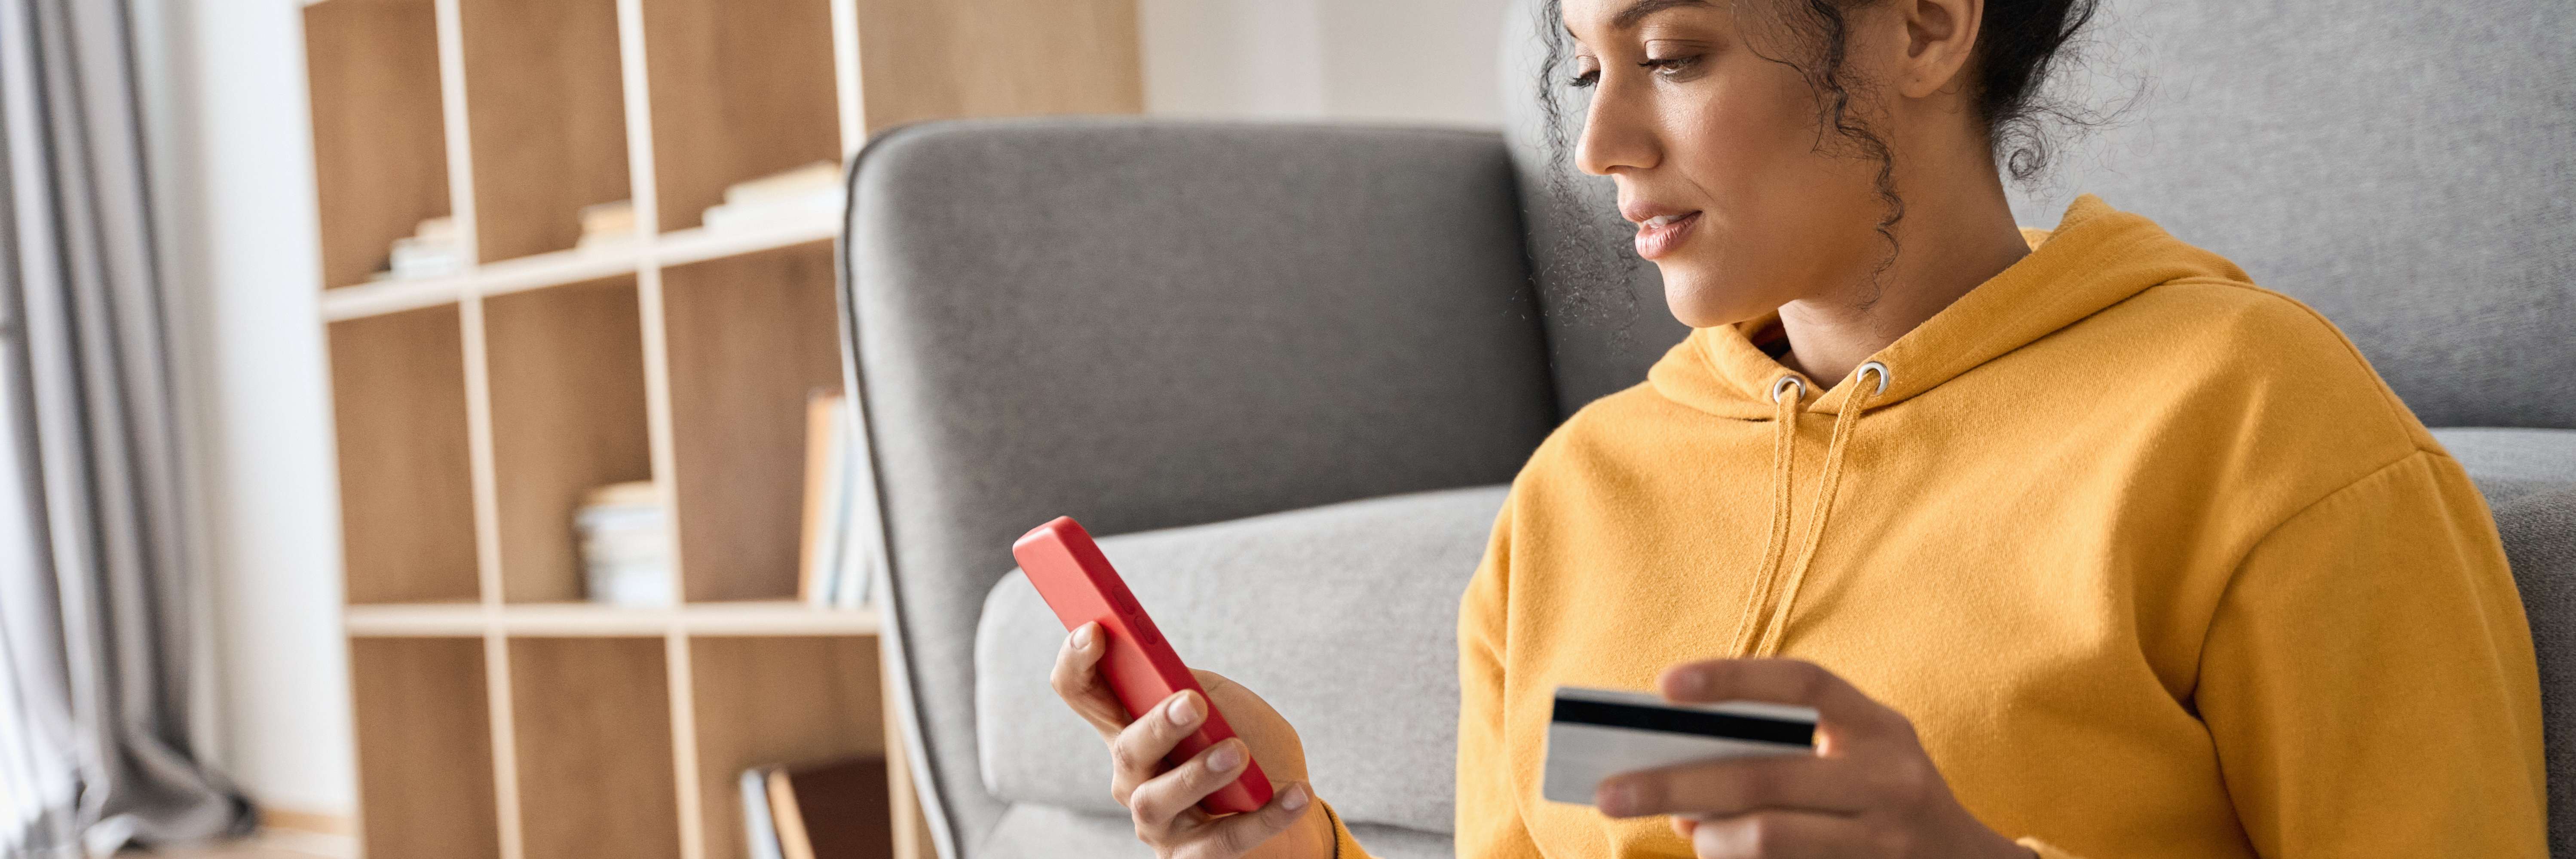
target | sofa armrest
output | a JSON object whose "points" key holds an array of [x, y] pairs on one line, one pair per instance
{"points": [[1150, 324]]}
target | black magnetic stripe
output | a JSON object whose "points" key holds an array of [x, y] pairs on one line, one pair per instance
{"points": [[1679, 721]]}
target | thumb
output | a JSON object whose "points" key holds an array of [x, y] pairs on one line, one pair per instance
{"points": [[1240, 833]]}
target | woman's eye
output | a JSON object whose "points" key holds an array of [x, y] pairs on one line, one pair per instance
{"points": [[1587, 72], [1671, 67]]}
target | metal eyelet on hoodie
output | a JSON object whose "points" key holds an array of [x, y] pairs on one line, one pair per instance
{"points": [[1785, 383], [1884, 376]]}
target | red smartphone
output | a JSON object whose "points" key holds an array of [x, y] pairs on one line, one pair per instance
{"points": [[1077, 581]]}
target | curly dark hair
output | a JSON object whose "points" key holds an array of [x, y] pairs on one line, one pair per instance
{"points": [[2021, 46]]}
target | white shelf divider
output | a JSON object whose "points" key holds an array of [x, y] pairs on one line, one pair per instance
{"points": [[679, 247], [767, 617]]}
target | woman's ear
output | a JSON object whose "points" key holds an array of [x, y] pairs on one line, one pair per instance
{"points": [[1940, 39]]}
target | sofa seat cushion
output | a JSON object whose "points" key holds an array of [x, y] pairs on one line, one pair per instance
{"points": [[2539, 531], [1344, 617], [2508, 463], [1032, 830], [2529, 479]]}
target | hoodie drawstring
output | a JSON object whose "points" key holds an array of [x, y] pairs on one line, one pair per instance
{"points": [[1784, 440], [1783, 445]]}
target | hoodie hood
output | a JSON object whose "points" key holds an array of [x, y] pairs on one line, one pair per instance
{"points": [[2097, 257]]}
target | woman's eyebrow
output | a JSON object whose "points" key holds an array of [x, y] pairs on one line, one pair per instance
{"points": [[1637, 11]]}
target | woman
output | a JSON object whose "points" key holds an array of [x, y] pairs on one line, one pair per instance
{"points": [[2080, 544]]}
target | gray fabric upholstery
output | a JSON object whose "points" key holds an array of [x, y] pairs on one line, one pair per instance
{"points": [[2540, 538], [1152, 324], [2497, 457], [1305, 608], [1042, 832], [2407, 168]]}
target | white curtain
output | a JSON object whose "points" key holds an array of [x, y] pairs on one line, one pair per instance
{"points": [[95, 671]]}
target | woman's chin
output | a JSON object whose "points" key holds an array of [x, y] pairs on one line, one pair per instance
{"points": [[1700, 301]]}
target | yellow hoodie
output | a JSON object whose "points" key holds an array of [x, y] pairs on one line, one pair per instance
{"points": [[2150, 556]]}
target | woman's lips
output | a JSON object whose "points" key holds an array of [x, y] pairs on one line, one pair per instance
{"points": [[1659, 235]]}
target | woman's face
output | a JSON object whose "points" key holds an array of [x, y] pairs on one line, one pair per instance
{"points": [[1700, 113]]}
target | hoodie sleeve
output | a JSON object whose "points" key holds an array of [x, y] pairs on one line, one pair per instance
{"points": [[1488, 823], [1344, 846], [2368, 678]]}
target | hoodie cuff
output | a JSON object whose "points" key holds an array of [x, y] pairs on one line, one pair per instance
{"points": [[1344, 846], [2045, 850]]}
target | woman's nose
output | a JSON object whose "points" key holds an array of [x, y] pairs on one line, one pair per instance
{"points": [[1616, 134]]}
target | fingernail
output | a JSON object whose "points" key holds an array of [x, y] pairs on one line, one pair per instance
{"points": [[1225, 758], [1184, 711], [1617, 800], [1690, 684], [1082, 636], [1296, 798]]}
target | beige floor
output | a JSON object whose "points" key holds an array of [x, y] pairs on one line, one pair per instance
{"points": [[268, 845]]}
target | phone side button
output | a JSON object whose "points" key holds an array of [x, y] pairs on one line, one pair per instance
{"points": [[1146, 632]]}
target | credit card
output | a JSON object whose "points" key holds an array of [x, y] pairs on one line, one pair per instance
{"points": [[1597, 733]]}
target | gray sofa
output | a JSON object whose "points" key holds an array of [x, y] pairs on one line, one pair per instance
{"points": [[1291, 367]]}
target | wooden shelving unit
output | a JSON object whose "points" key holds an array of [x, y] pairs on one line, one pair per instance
{"points": [[499, 715]]}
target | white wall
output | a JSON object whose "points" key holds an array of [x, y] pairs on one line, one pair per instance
{"points": [[1378, 60], [240, 215]]}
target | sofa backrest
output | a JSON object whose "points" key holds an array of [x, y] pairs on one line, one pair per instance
{"points": [[1148, 324], [2407, 168]]}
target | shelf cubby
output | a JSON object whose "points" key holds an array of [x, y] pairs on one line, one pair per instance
{"points": [[750, 338], [545, 108], [719, 66], [777, 700], [424, 734], [379, 138], [566, 368], [406, 484], [592, 721]]}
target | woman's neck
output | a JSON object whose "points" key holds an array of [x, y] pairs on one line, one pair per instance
{"points": [[1952, 239]]}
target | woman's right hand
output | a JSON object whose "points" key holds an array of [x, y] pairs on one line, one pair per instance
{"points": [[1164, 803]]}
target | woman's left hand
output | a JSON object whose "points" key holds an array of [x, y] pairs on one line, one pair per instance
{"points": [[1869, 790]]}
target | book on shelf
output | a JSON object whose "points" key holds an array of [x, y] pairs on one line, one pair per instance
{"points": [[833, 559], [756, 821], [802, 195], [432, 250], [625, 541], [607, 224], [821, 425], [822, 810]]}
